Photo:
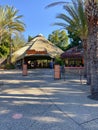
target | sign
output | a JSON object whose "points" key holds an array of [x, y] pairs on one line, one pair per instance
{"points": [[35, 52]]}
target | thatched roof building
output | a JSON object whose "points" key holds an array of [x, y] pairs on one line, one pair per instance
{"points": [[37, 49]]}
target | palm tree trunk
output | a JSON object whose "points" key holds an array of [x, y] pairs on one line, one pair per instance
{"points": [[94, 59], [88, 61], [85, 56], [92, 18], [9, 59], [10, 55]]}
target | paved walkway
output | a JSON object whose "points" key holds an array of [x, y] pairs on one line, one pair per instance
{"points": [[38, 102]]}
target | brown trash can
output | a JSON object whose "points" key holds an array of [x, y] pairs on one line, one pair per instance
{"points": [[57, 74], [24, 70]]}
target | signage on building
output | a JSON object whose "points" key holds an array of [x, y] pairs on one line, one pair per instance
{"points": [[35, 52]]}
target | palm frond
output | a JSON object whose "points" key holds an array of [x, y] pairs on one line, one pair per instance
{"points": [[61, 24], [64, 17], [56, 3], [72, 12]]}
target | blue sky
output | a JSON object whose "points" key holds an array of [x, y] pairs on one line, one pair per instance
{"points": [[35, 16]]}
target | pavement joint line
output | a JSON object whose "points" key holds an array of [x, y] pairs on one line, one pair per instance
{"points": [[62, 111], [41, 115], [88, 121], [70, 118]]}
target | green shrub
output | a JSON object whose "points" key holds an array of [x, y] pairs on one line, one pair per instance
{"points": [[59, 61], [9, 66]]}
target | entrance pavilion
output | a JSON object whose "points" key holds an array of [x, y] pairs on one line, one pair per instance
{"points": [[39, 52]]}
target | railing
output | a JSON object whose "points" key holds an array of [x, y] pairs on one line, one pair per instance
{"points": [[75, 71]]}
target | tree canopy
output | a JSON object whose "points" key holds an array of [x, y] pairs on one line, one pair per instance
{"points": [[74, 40], [74, 19], [59, 38]]}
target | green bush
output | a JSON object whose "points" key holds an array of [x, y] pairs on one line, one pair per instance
{"points": [[2, 66], [59, 61], [9, 66]]}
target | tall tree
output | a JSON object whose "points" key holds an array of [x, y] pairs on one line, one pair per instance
{"points": [[10, 23], [59, 38], [92, 17], [74, 19]]}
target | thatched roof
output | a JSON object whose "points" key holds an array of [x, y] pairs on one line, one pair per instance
{"points": [[74, 52], [39, 44]]}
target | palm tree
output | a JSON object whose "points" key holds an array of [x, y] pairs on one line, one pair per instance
{"points": [[10, 23], [18, 42], [2, 23], [74, 20], [92, 17]]}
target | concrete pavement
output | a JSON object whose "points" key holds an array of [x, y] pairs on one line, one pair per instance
{"points": [[38, 102]]}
